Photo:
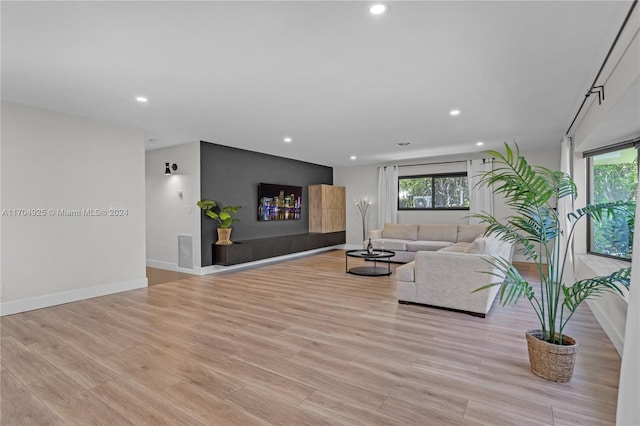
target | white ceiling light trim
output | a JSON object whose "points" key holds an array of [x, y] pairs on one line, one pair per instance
{"points": [[142, 99], [378, 9], [454, 112]]}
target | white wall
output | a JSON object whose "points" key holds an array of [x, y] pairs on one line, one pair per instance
{"points": [[545, 157], [168, 214], [56, 161], [362, 182], [598, 126]]}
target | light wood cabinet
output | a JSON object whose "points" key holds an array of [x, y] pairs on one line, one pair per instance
{"points": [[327, 208]]}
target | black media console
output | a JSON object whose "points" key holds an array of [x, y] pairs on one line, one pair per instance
{"points": [[264, 248]]}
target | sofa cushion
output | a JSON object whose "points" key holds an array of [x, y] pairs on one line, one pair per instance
{"points": [[497, 248], [456, 248], [406, 272], [390, 244], [427, 245], [400, 231], [468, 233], [438, 233], [491, 246], [477, 246]]}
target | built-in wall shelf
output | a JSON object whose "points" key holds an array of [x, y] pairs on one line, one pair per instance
{"points": [[264, 248]]}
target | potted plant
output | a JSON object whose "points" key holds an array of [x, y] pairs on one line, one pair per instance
{"points": [[533, 192], [223, 214]]}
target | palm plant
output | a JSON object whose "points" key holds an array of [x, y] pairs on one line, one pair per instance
{"points": [[217, 211], [533, 192]]}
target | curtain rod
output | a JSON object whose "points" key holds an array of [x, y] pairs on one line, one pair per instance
{"points": [[593, 85], [430, 164], [434, 163]]}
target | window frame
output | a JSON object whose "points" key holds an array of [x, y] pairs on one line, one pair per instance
{"points": [[588, 156], [432, 176]]}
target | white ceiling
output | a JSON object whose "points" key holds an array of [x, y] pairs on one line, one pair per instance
{"points": [[335, 78], [622, 122]]}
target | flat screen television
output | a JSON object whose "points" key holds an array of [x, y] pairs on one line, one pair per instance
{"points": [[279, 202]]}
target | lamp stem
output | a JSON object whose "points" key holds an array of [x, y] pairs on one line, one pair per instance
{"points": [[363, 232]]}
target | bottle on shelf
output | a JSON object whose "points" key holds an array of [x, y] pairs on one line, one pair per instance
{"points": [[370, 247]]}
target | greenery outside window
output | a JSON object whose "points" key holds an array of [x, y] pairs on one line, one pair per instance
{"points": [[449, 191], [613, 176]]}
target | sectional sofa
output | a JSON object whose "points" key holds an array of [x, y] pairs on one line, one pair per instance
{"points": [[446, 263], [406, 239]]}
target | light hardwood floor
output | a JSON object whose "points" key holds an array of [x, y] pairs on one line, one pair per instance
{"points": [[157, 276], [293, 343]]}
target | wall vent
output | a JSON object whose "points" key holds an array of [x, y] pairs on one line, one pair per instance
{"points": [[185, 251]]}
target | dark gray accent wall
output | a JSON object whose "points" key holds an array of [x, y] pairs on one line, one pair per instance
{"points": [[231, 176]]}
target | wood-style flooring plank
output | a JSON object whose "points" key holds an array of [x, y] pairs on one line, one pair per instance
{"points": [[19, 406], [72, 403], [298, 342]]}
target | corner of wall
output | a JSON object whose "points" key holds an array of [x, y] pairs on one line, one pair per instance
{"points": [[171, 205]]}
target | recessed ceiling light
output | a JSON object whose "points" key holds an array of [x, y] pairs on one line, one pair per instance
{"points": [[353, 157], [288, 140], [479, 143], [454, 112], [378, 9], [403, 144], [141, 99]]}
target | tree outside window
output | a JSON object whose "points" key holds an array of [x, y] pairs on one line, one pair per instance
{"points": [[434, 192], [614, 177]]}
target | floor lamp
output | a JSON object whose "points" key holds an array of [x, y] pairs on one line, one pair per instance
{"points": [[363, 205]]}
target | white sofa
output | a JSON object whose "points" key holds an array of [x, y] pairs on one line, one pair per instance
{"points": [[447, 279], [406, 239]]}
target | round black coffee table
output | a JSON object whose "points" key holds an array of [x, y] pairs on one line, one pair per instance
{"points": [[369, 271]]}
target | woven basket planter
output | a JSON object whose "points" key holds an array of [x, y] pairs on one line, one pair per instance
{"points": [[223, 237], [549, 361]]}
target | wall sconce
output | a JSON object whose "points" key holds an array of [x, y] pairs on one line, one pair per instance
{"points": [[167, 168]]}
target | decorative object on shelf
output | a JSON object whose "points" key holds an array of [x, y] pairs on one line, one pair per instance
{"points": [[168, 168], [363, 206], [533, 192], [223, 214], [370, 247]]}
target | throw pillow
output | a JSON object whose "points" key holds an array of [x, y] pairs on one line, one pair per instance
{"points": [[477, 246]]}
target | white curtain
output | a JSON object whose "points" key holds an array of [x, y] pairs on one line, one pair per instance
{"points": [[480, 197], [387, 195], [628, 408], [565, 206]]}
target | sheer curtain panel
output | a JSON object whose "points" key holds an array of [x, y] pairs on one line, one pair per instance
{"points": [[480, 197], [388, 195], [565, 206]]}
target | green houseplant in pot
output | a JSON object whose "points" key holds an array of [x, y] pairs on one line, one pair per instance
{"points": [[533, 192], [223, 215]]}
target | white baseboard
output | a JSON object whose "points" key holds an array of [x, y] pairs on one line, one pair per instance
{"points": [[168, 266], [613, 333], [32, 303]]}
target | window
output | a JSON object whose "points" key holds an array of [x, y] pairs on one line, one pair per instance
{"points": [[434, 192], [613, 176]]}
